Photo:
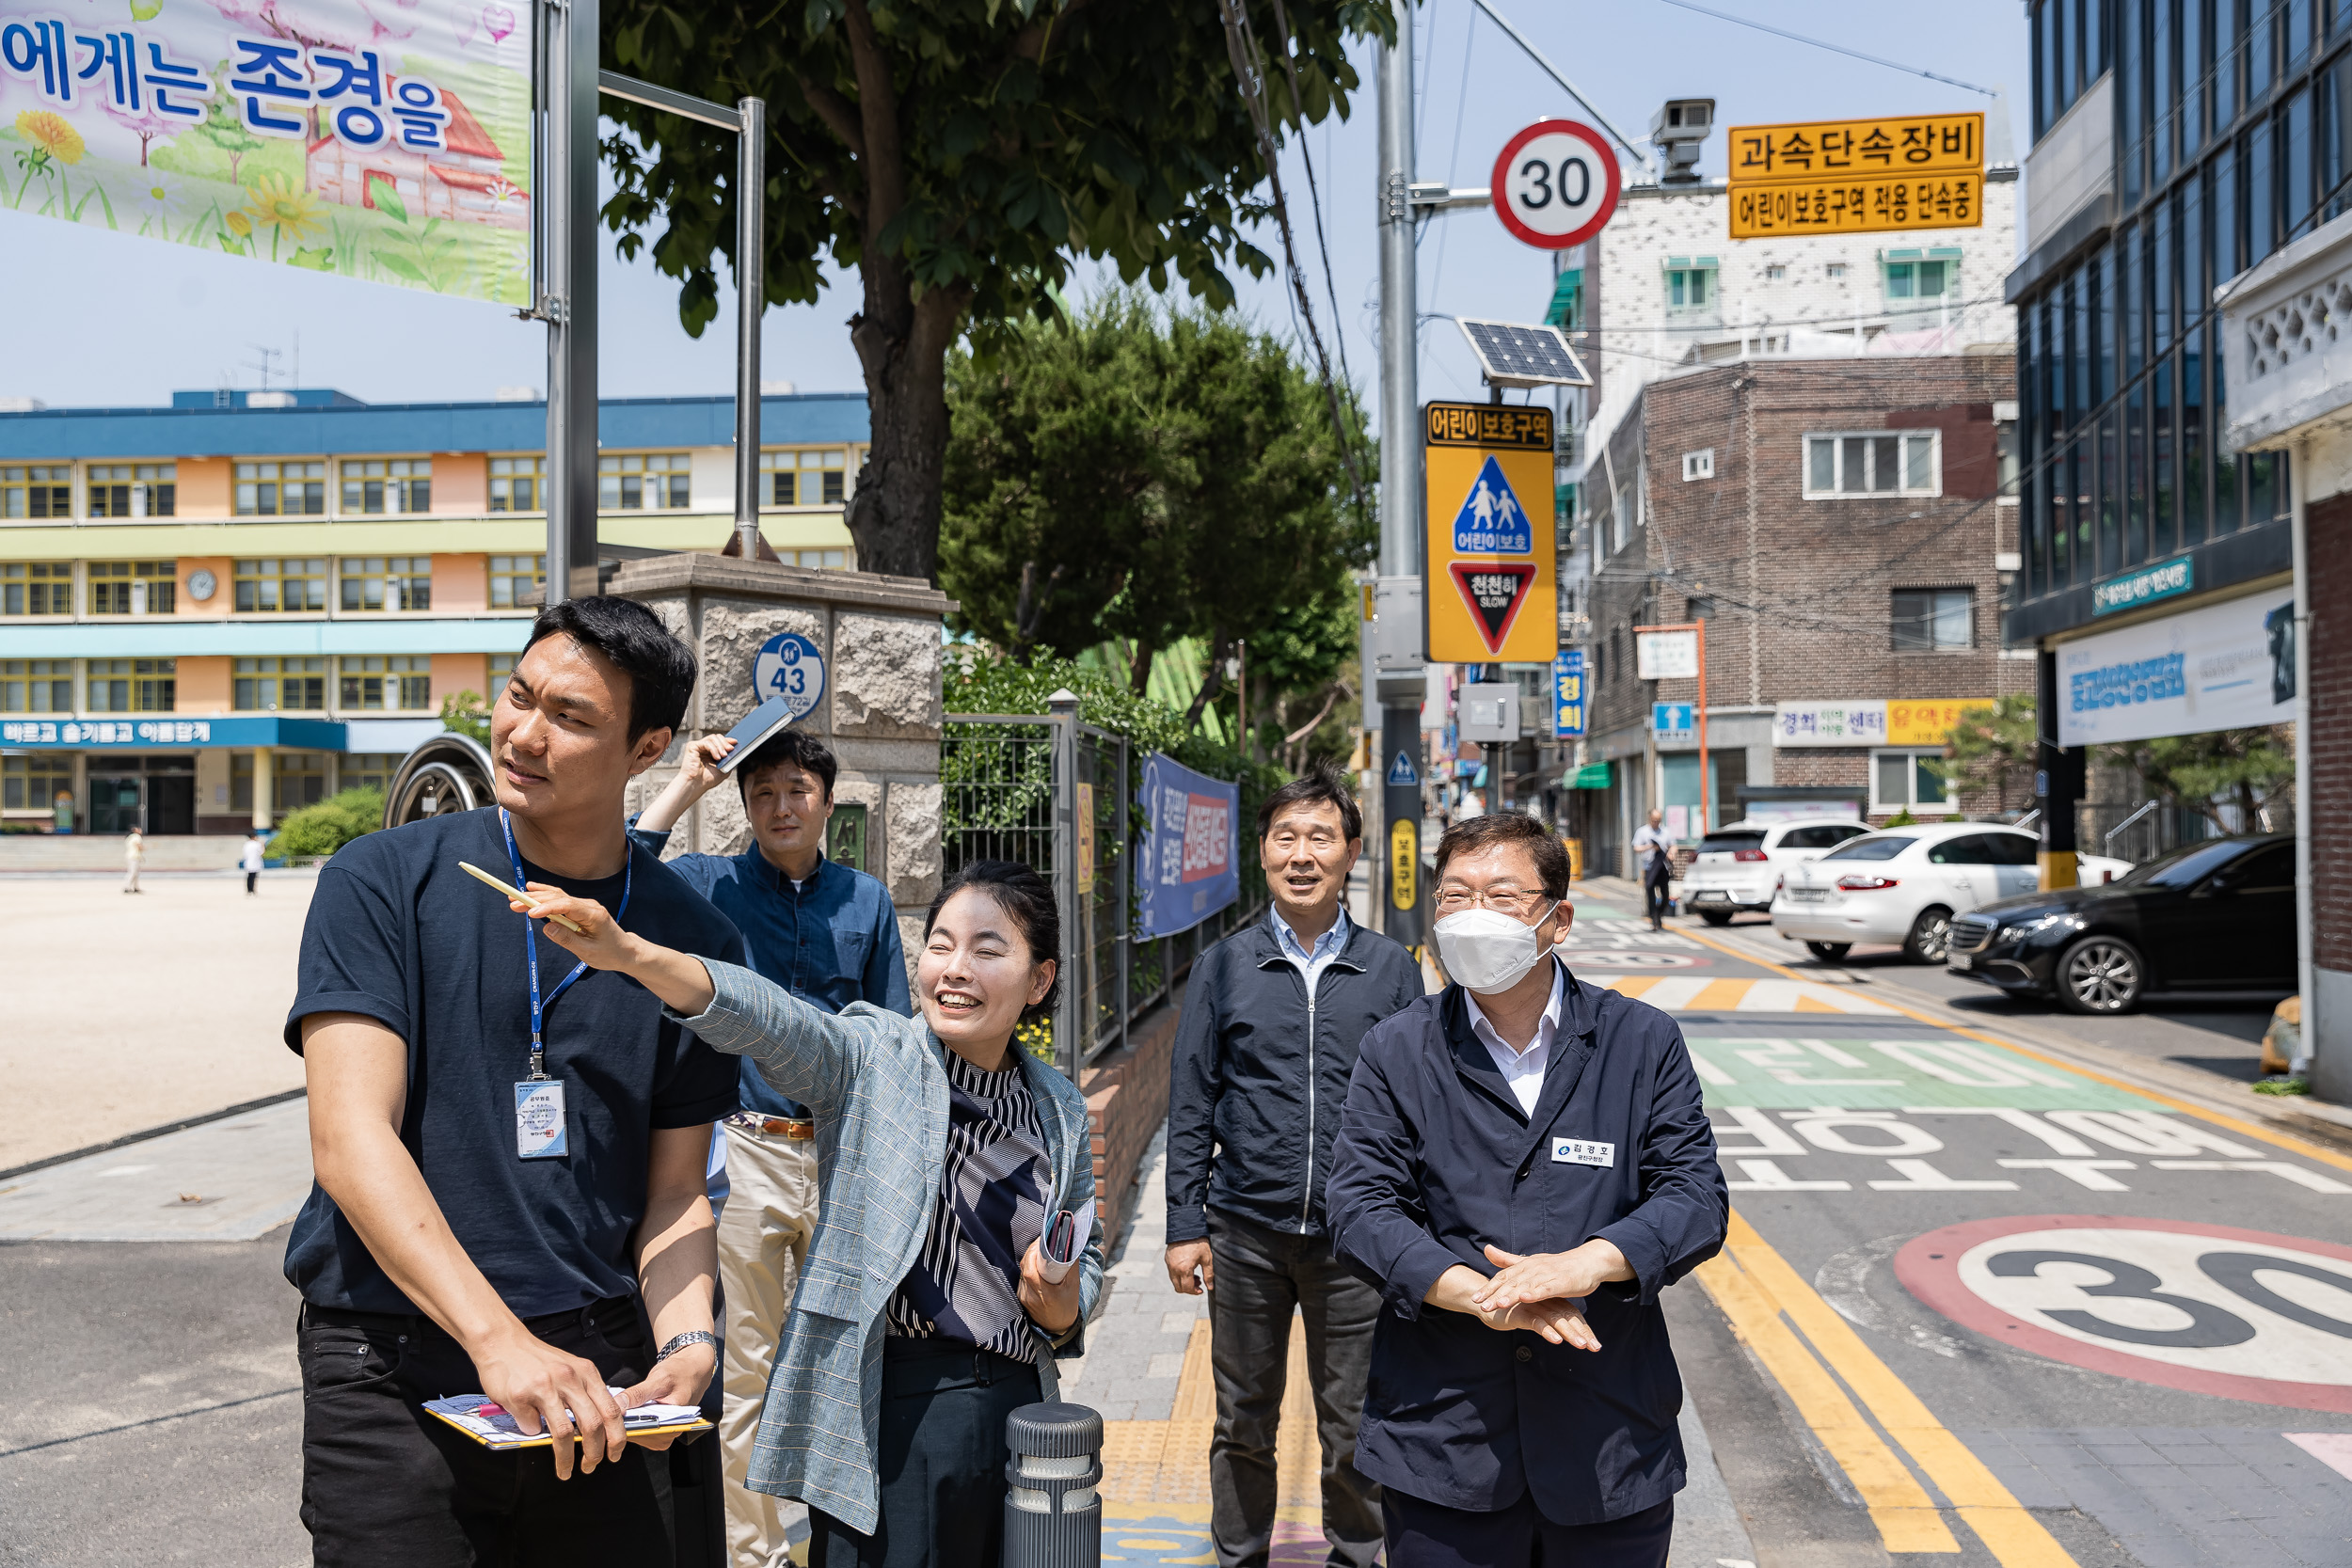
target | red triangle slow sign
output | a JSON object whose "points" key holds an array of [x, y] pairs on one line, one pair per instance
{"points": [[1496, 592]]}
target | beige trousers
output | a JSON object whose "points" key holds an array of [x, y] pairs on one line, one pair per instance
{"points": [[763, 1240]]}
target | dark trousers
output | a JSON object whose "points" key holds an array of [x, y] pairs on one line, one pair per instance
{"points": [[1262, 1276], [942, 1464], [1654, 889], [1430, 1535], [249, 879], [384, 1484]]}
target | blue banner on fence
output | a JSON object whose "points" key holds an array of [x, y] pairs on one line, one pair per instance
{"points": [[1188, 865]]}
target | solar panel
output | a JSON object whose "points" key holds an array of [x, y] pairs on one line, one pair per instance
{"points": [[1516, 356]]}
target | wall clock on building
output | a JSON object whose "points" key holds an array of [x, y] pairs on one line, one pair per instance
{"points": [[201, 584]]}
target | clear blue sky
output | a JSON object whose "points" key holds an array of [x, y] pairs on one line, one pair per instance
{"points": [[132, 320]]}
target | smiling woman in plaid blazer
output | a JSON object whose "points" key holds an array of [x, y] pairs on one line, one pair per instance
{"points": [[924, 1316]]}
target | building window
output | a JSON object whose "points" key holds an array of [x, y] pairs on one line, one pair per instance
{"points": [[279, 685], [515, 483], [301, 779], [1775, 274], [133, 489], [36, 686], [1893, 463], [831, 561], [241, 781], [1690, 287], [1921, 282], [35, 588], [804, 477], [41, 490], [643, 482], [386, 581], [1835, 272], [1698, 464], [1903, 781], [388, 484], [1933, 620], [131, 685], [134, 587], [290, 586], [364, 770], [377, 682], [33, 782], [282, 489], [513, 576]]}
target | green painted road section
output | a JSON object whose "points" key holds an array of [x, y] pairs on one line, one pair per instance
{"points": [[1879, 1072]]}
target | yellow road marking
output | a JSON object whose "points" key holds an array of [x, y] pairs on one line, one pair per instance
{"points": [[2015, 1538], [2220, 1118], [1634, 985], [1719, 996], [1906, 1517]]}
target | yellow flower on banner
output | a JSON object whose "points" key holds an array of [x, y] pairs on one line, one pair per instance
{"points": [[239, 224], [50, 133], [277, 204]]}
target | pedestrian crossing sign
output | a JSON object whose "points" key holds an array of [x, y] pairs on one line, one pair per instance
{"points": [[1402, 771], [1491, 521], [1488, 499]]}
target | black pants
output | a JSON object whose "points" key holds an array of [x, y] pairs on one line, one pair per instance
{"points": [[1430, 1535], [250, 877], [942, 1464], [385, 1483], [1654, 889], [1263, 1275]]}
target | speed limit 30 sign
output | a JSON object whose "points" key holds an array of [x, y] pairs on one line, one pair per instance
{"points": [[1556, 183]]}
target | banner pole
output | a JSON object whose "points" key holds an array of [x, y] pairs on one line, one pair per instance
{"points": [[751, 273], [569, 198]]}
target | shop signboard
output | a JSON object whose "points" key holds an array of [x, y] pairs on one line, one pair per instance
{"points": [[1872, 721], [2222, 666]]}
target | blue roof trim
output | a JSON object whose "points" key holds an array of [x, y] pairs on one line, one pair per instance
{"points": [[52, 435], [189, 637]]}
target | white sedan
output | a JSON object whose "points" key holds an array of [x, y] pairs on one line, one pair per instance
{"points": [[1904, 885], [1740, 864]]}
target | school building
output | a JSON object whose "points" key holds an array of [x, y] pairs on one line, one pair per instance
{"points": [[215, 612]]}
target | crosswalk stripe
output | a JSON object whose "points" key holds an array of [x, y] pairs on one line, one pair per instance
{"points": [[1683, 993]]}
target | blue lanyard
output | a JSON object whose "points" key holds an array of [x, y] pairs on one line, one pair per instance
{"points": [[530, 946]]}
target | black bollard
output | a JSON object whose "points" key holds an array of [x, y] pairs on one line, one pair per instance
{"points": [[1054, 1504]]}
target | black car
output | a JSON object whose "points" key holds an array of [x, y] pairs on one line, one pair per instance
{"points": [[2212, 916]]}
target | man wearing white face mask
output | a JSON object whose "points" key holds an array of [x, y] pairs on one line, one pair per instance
{"points": [[1530, 1156]]}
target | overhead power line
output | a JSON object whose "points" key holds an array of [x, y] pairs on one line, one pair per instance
{"points": [[1833, 48]]}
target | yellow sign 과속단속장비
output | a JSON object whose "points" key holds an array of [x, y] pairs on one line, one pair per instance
{"points": [[1403, 864], [1488, 478], [1930, 723], [1855, 151], [1858, 206]]}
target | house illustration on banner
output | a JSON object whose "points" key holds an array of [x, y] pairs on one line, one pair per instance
{"points": [[466, 183]]}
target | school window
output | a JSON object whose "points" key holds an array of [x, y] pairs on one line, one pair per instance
{"points": [[288, 586], [1933, 620], [516, 483], [131, 685], [282, 489], [36, 686], [386, 581], [241, 781], [35, 588], [643, 482], [33, 782], [803, 478], [301, 779], [388, 484], [501, 666], [133, 587], [363, 770], [133, 489], [1891, 463], [279, 686], [376, 681], [513, 576], [39, 490], [1692, 286], [1904, 781], [831, 561]]}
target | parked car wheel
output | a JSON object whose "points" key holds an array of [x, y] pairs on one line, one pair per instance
{"points": [[1931, 934], [1716, 917], [1829, 952], [2101, 974]]}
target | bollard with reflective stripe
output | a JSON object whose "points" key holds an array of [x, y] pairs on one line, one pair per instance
{"points": [[1054, 1504]]}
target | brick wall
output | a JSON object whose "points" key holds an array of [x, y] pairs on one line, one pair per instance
{"points": [[1126, 1094], [2329, 705]]}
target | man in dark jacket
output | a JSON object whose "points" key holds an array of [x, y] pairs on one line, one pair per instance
{"points": [[1530, 1156], [1271, 1021]]}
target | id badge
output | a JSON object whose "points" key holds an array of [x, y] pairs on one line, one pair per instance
{"points": [[539, 1125]]}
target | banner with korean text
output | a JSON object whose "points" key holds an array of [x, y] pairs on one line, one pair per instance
{"points": [[1188, 858], [377, 139]]}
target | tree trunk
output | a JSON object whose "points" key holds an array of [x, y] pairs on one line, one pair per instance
{"points": [[1139, 667], [1212, 683], [902, 343]]}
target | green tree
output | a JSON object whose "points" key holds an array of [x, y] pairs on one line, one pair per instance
{"points": [[1995, 745], [2247, 768], [960, 153], [462, 713]]}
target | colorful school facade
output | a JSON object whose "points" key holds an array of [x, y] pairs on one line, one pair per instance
{"points": [[213, 613]]}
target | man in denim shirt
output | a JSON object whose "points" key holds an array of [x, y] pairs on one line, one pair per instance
{"points": [[827, 934]]}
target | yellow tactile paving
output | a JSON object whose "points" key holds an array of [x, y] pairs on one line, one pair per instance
{"points": [[1167, 1461]]}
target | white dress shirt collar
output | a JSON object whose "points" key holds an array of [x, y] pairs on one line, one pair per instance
{"points": [[1523, 1071]]}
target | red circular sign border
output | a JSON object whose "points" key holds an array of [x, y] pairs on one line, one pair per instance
{"points": [[1936, 1282], [1502, 170]]}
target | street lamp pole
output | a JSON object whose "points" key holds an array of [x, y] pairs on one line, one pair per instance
{"points": [[1402, 643]]}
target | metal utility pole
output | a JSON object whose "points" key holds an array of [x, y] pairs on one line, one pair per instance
{"points": [[567, 295], [750, 300], [1401, 638]]}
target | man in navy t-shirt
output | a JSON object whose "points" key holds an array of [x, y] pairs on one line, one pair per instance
{"points": [[501, 1209]]}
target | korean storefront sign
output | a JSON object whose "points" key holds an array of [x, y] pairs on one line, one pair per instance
{"points": [[2219, 666], [1871, 722], [317, 735], [1187, 860], [390, 143], [1858, 176], [2163, 581]]}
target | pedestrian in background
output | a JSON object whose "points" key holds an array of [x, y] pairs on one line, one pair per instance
{"points": [[133, 853], [1271, 1021], [250, 858], [1656, 851], [828, 935], [1523, 1405]]}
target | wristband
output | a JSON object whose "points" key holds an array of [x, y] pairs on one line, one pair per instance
{"points": [[680, 1342]]}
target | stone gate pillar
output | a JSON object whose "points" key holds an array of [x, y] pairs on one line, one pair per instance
{"points": [[880, 712]]}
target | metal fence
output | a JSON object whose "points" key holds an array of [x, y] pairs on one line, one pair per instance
{"points": [[2139, 832], [1055, 793]]}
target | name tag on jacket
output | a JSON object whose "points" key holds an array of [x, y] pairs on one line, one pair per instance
{"points": [[1576, 1151]]}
